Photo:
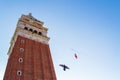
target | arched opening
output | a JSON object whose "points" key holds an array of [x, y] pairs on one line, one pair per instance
{"points": [[40, 33], [35, 31], [26, 28], [31, 30]]}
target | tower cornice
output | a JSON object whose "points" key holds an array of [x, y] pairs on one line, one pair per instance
{"points": [[34, 31]]}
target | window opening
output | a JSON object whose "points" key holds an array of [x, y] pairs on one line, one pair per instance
{"points": [[31, 30], [23, 41], [25, 28], [40, 33], [19, 73], [35, 31], [20, 60], [21, 49]]}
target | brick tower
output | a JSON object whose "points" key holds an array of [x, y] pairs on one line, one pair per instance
{"points": [[29, 53]]}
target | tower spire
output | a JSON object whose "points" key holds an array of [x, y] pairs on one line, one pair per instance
{"points": [[30, 15]]}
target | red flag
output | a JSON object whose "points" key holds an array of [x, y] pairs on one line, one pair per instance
{"points": [[75, 55]]}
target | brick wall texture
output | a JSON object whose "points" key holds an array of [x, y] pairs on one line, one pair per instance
{"points": [[36, 63]]}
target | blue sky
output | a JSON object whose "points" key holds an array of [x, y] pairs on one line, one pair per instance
{"points": [[90, 27]]}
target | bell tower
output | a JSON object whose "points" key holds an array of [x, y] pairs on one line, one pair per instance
{"points": [[29, 52]]}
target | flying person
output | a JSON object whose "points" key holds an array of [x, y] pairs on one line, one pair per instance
{"points": [[75, 54]]}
